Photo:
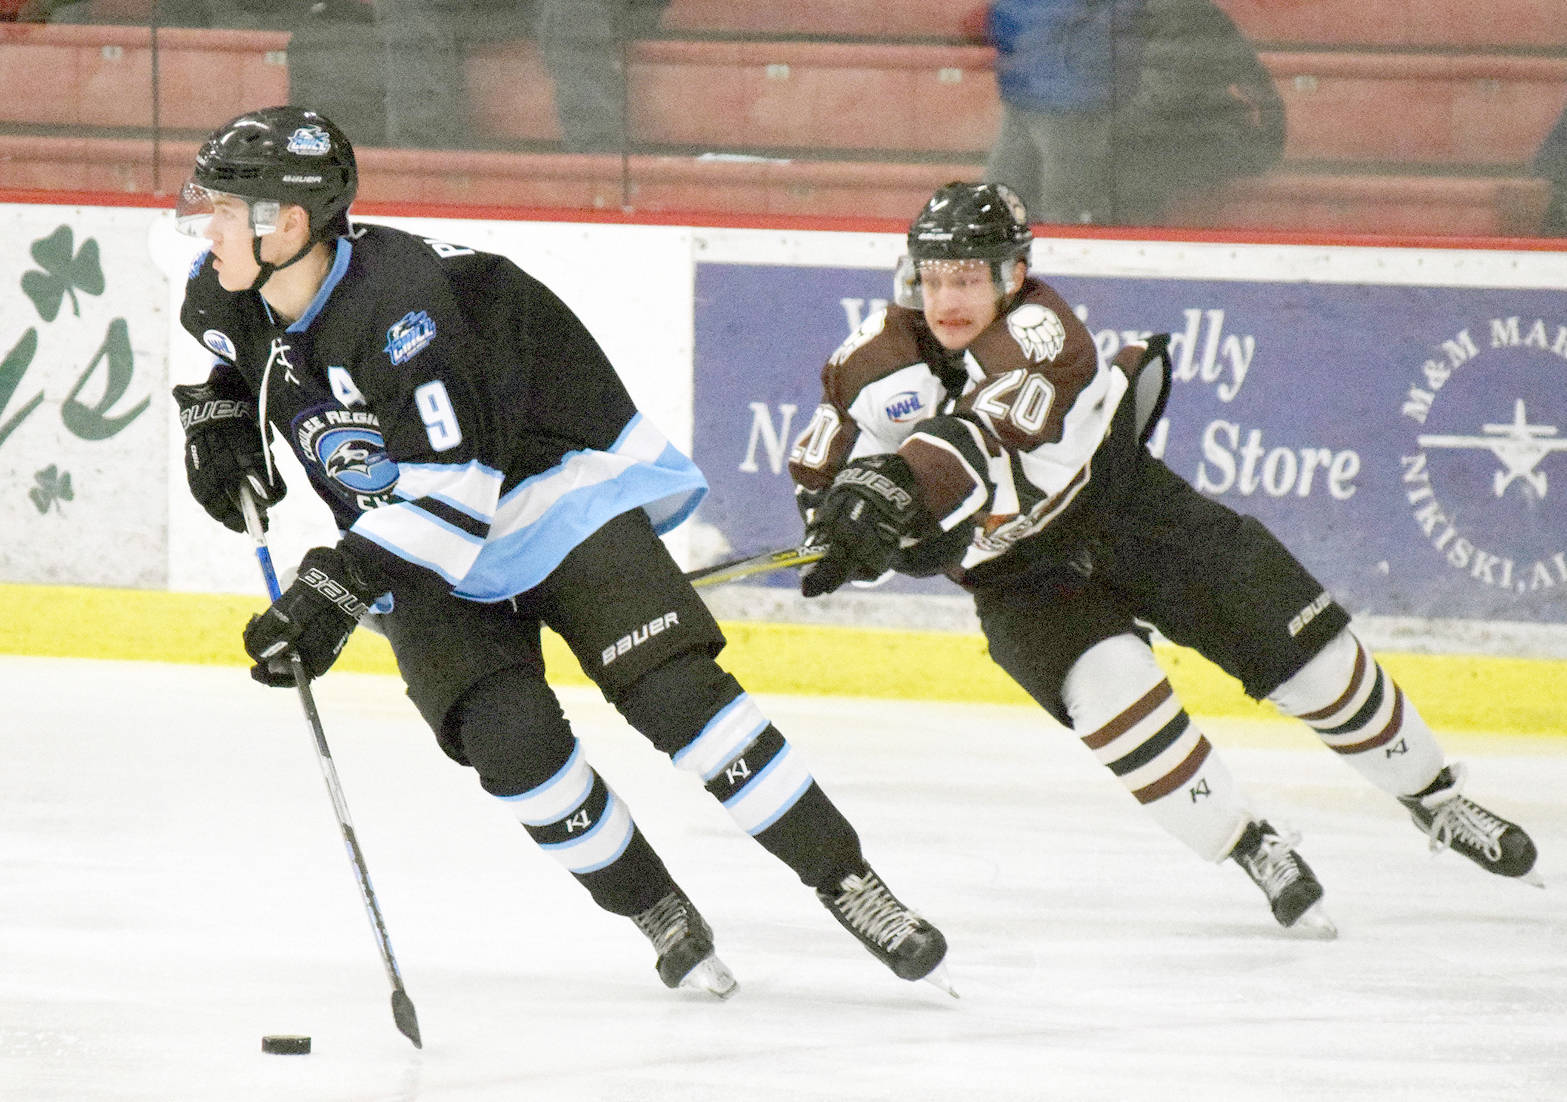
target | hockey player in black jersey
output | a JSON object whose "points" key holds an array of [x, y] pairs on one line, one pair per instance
{"points": [[1018, 467], [490, 475]]}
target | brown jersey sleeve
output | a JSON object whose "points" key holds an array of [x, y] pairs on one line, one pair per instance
{"points": [[885, 343]]}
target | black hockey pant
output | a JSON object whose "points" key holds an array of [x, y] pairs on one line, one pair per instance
{"points": [[476, 673]]}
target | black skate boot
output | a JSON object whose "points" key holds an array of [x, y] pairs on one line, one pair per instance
{"points": [[895, 935], [684, 944], [1455, 822], [1292, 889]]}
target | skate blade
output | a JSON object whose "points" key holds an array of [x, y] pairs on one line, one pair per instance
{"points": [[712, 976], [1314, 923], [1533, 878], [937, 977]]}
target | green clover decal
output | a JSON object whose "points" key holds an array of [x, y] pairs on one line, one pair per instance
{"points": [[53, 488], [65, 271]]}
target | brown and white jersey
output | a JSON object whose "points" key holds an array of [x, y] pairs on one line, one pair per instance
{"points": [[1001, 437]]}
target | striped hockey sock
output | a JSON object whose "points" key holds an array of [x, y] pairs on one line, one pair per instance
{"points": [[768, 790], [1125, 711], [575, 817], [1360, 713]]}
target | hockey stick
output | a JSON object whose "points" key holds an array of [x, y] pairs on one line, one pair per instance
{"points": [[402, 1005], [764, 563]]}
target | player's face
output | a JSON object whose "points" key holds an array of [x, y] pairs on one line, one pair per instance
{"points": [[231, 235], [960, 299]]}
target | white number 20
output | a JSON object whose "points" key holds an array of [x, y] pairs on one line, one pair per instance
{"points": [[440, 419]]}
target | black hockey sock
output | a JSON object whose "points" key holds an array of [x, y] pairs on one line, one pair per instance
{"points": [[771, 794], [631, 883], [815, 840]]}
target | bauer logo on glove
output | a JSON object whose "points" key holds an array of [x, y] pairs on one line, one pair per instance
{"points": [[312, 619], [869, 513], [878, 484], [223, 449]]}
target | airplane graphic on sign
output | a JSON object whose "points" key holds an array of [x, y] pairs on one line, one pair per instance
{"points": [[1517, 444]]}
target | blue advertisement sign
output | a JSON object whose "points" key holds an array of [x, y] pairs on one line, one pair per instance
{"points": [[1408, 443]]}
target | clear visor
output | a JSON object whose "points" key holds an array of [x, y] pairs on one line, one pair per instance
{"points": [[198, 205], [906, 284], [906, 290]]}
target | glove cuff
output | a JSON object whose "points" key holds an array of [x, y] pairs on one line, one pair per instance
{"points": [[340, 580], [201, 406]]}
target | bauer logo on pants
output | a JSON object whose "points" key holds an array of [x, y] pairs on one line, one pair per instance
{"points": [[656, 626]]}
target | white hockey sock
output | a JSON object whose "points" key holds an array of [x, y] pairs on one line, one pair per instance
{"points": [[575, 817], [1346, 696], [1125, 711]]}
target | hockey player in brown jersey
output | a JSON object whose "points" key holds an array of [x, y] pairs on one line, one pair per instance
{"points": [[973, 429]]}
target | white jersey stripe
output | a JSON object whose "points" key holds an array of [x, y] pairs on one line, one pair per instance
{"points": [[471, 488], [414, 534], [539, 522]]}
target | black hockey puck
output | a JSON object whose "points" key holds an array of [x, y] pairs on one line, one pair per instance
{"points": [[285, 1044]]}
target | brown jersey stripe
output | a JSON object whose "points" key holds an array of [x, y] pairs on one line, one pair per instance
{"points": [[1119, 725], [1177, 776]]}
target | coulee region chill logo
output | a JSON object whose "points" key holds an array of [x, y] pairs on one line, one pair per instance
{"points": [[1488, 491]]}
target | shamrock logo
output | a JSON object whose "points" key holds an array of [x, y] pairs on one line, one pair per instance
{"points": [[65, 271], [53, 488]]}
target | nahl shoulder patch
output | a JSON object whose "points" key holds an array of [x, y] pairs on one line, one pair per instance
{"points": [[1038, 331]]}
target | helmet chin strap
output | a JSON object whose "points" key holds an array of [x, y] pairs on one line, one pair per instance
{"points": [[267, 268]]}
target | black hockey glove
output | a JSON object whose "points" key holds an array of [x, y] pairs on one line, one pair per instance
{"points": [[313, 618], [870, 511], [223, 450]]}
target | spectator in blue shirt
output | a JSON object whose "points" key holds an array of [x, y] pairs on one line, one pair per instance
{"points": [[1059, 67]]}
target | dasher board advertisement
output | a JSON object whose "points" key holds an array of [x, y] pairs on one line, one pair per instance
{"points": [[1408, 442]]}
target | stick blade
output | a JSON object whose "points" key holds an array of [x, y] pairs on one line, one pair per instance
{"points": [[403, 1014]]}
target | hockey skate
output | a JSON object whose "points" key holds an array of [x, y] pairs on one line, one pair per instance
{"points": [[1293, 891], [1452, 821], [895, 935], [684, 944]]}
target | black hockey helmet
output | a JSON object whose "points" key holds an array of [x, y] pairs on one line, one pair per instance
{"points": [[971, 222], [964, 221], [275, 156]]}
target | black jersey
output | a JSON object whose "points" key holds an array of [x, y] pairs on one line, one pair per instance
{"points": [[449, 408]]}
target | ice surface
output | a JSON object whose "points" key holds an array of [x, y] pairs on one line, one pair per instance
{"points": [[173, 886]]}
